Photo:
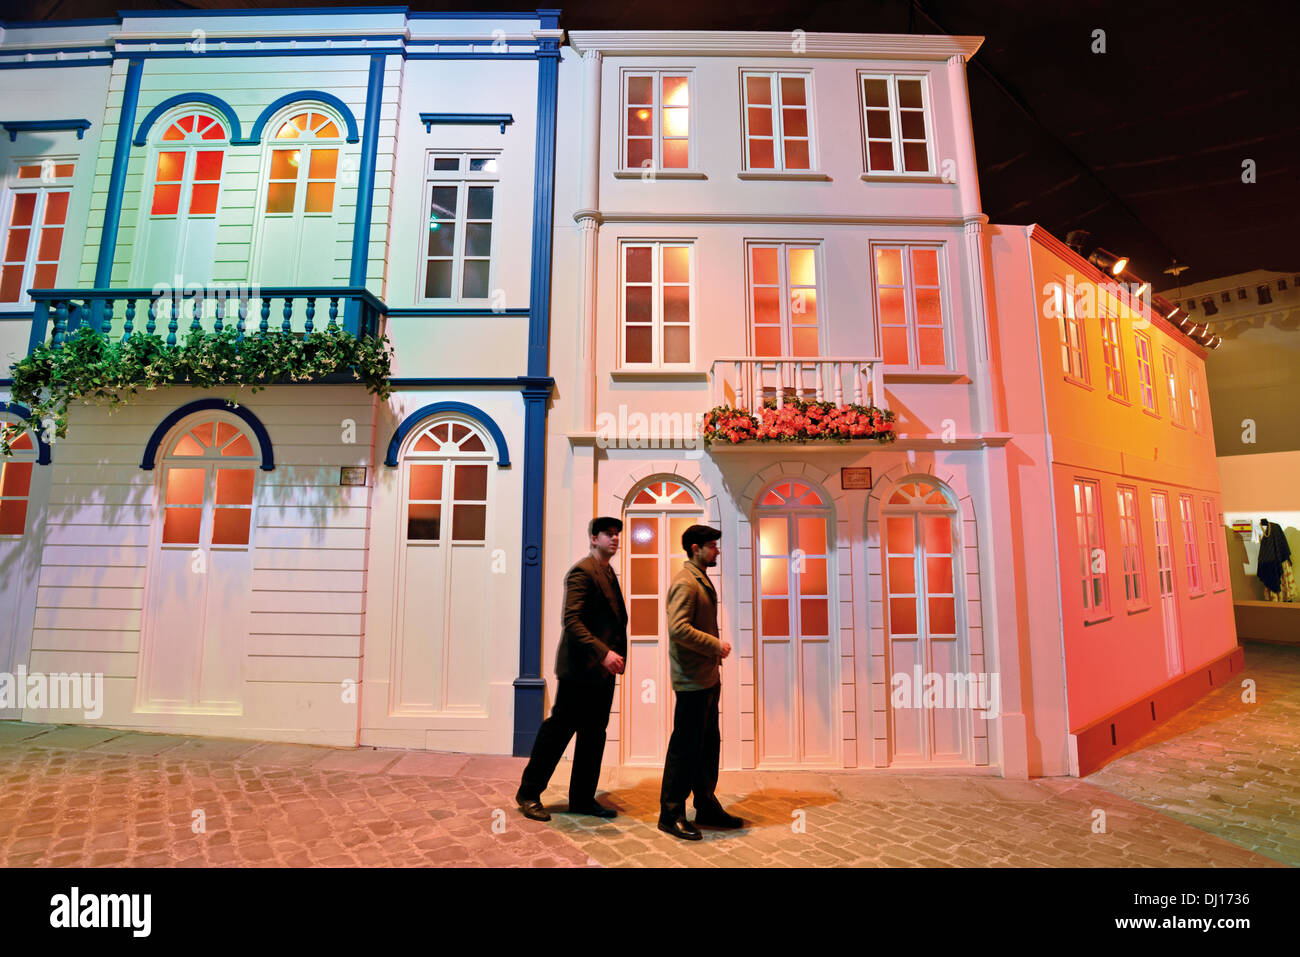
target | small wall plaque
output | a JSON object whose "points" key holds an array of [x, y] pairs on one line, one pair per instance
{"points": [[855, 478], [1244, 528], [352, 475]]}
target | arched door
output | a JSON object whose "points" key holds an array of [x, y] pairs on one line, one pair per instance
{"points": [[180, 208], [444, 578], [200, 583], [925, 626], [23, 491], [299, 242], [797, 676], [655, 517]]}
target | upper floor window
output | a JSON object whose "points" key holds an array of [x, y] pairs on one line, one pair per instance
{"points": [[778, 121], [304, 165], [783, 299], [36, 211], [1092, 550], [1146, 371], [1213, 532], [187, 172], [1130, 536], [1171, 388], [896, 123], [1189, 544], [1112, 355], [1074, 356], [1194, 398], [910, 306], [656, 299], [657, 119], [460, 193]]}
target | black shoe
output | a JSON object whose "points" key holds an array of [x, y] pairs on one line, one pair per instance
{"points": [[682, 828], [717, 817], [533, 810], [595, 809]]}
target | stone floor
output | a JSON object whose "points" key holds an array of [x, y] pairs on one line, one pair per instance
{"points": [[1214, 787]]}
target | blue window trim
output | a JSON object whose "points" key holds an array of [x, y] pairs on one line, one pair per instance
{"points": [[117, 178], [24, 413], [366, 175], [254, 424], [14, 127], [464, 408], [329, 99], [206, 99], [490, 119]]}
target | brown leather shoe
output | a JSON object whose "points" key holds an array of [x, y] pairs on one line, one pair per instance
{"points": [[680, 827], [534, 811]]}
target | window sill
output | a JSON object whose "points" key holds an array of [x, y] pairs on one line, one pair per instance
{"points": [[1196, 594], [1119, 399], [665, 375], [783, 174], [1178, 425], [1096, 621], [905, 178], [1155, 415], [1137, 609], [1079, 382], [649, 174], [916, 375]]}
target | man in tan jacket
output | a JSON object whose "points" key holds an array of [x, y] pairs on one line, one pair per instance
{"points": [[696, 652]]}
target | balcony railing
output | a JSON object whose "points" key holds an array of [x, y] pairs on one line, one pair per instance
{"points": [[744, 381], [250, 310]]}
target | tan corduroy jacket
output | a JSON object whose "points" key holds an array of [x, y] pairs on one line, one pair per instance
{"points": [[694, 648]]}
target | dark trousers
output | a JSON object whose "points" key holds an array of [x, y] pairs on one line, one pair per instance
{"points": [[580, 708], [693, 752]]}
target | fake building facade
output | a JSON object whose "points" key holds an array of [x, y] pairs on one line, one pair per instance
{"points": [[733, 220]]}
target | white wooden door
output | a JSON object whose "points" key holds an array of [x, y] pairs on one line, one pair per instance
{"points": [[797, 680], [200, 585], [655, 520], [1165, 576], [925, 632], [299, 240], [24, 487], [444, 595]]}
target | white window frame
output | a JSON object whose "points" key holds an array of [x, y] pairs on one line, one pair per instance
{"points": [[896, 124], [656, 304], [1191, 553], [656, 75], [1092, 611], [774, 78], [462, 178], [1130, 538], [1213, 528], [1194, 399], [783, 247], [1169, 372], [1146, 370], [1112, 348], [909, 305], [15, 187]]}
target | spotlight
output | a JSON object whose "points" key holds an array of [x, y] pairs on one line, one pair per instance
{"points": [[1142, 290], [1104, 259]]}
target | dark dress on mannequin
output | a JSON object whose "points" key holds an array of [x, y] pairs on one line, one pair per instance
{"points": [[1273, 551]]}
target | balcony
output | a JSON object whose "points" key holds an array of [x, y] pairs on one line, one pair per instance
{"points": [[745, 381], [250, 310]]}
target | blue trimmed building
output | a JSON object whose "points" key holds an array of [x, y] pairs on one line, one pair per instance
{"points": [[305, 562]]}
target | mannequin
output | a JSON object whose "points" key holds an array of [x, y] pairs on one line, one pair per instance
{"points": [[1274, 563]]}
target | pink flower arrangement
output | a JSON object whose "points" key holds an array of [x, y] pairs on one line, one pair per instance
{"points": [[798, 420]]}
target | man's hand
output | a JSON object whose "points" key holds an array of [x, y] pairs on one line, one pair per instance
{"points": [[726, 647], [614, 663]]}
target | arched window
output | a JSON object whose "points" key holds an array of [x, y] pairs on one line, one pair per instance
{"points": [[304, 165], [447, 476], [16, 483], [208, 478], [183, 191]]}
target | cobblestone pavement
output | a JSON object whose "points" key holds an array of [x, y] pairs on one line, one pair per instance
{"points": [[1209, 789]]}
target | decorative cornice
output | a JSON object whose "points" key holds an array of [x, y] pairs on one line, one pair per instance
{"points": [[876, 46], [811, 219]]}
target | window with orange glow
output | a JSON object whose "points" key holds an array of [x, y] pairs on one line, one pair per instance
{"points": [[447, 473], [16, 483], [1190, 551], [1074, 359], [909, 305], [1213, 534], [1130, 536], [1092, 551], [1194, 398], [187, 169], [793, 559], [656, 302], [33, 235], [209, 476], [1111, 354], [1171, 388], [895, 120], [656, 120], [778, 121], [783, 299], [303, 168], [920, 561], [1146, 371]]}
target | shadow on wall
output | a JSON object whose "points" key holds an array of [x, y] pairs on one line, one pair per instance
{"points": [[1242, 553]]}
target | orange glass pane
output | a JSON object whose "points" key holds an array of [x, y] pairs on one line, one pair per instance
{"points": [[774, 576], [936, 498], [458, 432], [644, 533], [230, 526], [644, 577], [174, 132], [900, 535], [241, 446], [171, 167], [207, 165], [56, 209], [898, 498], [930, 342], [473, 444], [776, 616], [323, 164], [204, 433], [902, 576], [925, 267], [643, 616], [426, 483], [423, 522], [762, 154], [203, 199], [813, 616], [181, 526], [426, 444], [902, 616], [166, 200], [763, 265], [938, 575], [235, 486], [184, 486], [803, 305], [889, 267], [796, 154], [284, 164], [16, 479], [938, 534], [809, 497], [943, 616], [16, 244], [470, 482], [812, 580], [469, 523], [44, 276], [24, 209], [32, 171], [51, 240], [928, 311], [772, 536], [683, 497], [13, 516], [676, 154], [804, 342], [225, 431], [812, 536], [320, 197], [894, 342], [187, 446], [214, 131], [279, 197], [23, 441], [329, 130], [11, 283], [771, 498], [441, 432]]}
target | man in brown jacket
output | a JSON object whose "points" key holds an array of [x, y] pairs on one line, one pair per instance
{"points": [[591, 653], [696, 652]]}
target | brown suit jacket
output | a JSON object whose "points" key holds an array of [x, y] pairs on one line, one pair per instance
{"points": [[594, 621], [694, 647]]}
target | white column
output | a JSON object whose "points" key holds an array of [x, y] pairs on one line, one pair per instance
{"points": [[588, 219]]}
